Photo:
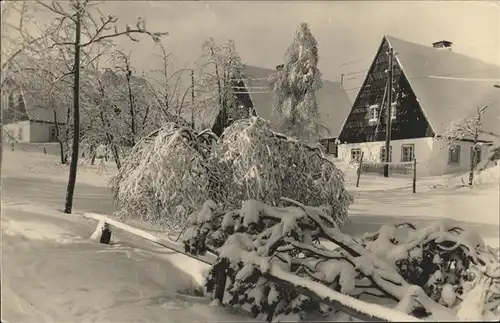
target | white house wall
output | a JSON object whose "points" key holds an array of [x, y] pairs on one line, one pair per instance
{"points": [[19, 130], [40, 132], [371, 152], [440, 153], [431, 156]]}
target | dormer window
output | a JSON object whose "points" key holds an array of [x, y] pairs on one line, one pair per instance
{"points": [[373, 113]]}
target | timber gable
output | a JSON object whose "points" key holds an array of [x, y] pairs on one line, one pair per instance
{"points": [[367, 119]]}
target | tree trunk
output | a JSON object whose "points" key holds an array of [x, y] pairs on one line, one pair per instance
{"points": [[93, 154], [76, 117], [1, 150], [59, 140], [473, 162], [116, 156], [67, 135], [132, 107]]}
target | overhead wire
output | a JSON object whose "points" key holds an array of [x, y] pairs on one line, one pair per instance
{"points": [[447, 76]]}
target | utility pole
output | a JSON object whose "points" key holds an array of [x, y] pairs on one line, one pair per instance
{"points": [[192, 99], [388, 125]]}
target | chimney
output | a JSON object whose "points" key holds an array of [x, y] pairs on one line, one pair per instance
{"points": [[442, 44], [280, 67]]}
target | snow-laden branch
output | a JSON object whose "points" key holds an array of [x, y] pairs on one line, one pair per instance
{"points": [[426, 272]]}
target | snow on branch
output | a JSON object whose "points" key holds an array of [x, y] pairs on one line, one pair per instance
{"points": [[465, 128], [179, 169], [434, 272], [163, 177]]}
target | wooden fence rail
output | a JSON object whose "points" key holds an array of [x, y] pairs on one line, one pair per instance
{"points": [[359, 309]]}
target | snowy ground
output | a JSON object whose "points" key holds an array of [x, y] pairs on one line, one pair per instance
{"points": [[53, 273], [28, 161], [378, 200], [48, 253]]}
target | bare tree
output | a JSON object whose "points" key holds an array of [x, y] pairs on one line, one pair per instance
{"points": [[101, 125], [168, 89], [90, 27], [126, 67], [467, 128], [136, 92], [16, 39], [219, 69], [38, 81], [115, 99]]}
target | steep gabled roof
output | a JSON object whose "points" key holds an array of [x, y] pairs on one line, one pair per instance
{"points": [[38, 110], [333, 103], [449, 85], [33, 107]]}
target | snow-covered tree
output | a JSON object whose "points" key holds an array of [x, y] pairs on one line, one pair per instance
{"points": [[166, 178], [295, 85], [82, 27], [466, 128], [43, 85], [218, 69], [169, 89], [135, 91]]}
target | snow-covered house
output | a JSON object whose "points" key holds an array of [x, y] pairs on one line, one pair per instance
{"points": [[25, 119], [433, 86], [254, 93]]}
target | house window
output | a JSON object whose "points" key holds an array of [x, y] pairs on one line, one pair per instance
{"points": [[382, 154], [332, 148], [20, 134], [454, 155], [373, 113], [475, 155], [407, 152], [355, 154]]}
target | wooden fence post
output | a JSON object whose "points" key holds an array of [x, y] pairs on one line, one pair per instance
{"points": [[359, 168], [220, 286], [414, 186]]}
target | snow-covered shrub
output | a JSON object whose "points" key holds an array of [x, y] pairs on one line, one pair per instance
{"points": [[435, 272], [167, 178], [258, 164]]}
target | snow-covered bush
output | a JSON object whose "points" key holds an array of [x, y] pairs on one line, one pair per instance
{"points": [[435, 272], [257, 163], [164, 177], [167, 178]]}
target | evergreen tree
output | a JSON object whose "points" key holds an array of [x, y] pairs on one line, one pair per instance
{"points": [[295, 85]]}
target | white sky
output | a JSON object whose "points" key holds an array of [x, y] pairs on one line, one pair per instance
{"points": [[346, 30]]}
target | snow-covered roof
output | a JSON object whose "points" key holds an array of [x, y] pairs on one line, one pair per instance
{"points": [[449, 85]]}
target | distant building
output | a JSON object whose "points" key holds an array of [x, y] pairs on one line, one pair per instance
{"points": [[27, 120], [255, 94], [433, 86]]}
